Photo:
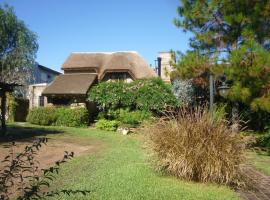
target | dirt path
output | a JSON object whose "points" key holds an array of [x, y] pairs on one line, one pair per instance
{"points": [[53, 150], [261, 186], [49, 153]]}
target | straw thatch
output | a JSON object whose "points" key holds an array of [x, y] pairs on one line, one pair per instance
{"points": [[67, 84], [102, 63]]}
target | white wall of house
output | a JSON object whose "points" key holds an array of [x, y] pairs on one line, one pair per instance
{"points": [[35, 95]]}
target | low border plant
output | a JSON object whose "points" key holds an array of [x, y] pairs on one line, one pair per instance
{"points": [[108, 125]]}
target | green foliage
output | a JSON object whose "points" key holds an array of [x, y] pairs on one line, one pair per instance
{"points": [[73, 117], [264, 141], [18, 46], [111, 95], [147, 94], [230, 38], [42, 116], [153, 95], [133, 118], [222, 25], [249, 70], [256, 120], [17, 108], [108, 125], [191, 65], [219, 112], [12, 106]]}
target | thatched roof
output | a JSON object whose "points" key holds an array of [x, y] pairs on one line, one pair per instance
{"points": [[103, 62], [67, 84]]}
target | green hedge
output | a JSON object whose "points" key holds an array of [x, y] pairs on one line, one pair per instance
{"points": [[127, 117], [74, 117], [108, 125], [42, 116], [62, 116]]}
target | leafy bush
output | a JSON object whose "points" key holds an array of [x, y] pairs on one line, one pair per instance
{"points": [[219, 112], [111, 95], [75, 117], [133, 117], [42, 116], [108, 125], [264, 141], [63, 116], [153, 95], [147, 94], [194, 146]]}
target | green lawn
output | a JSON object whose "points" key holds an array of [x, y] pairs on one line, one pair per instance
{"points": [[121, 170], [260, 161]]}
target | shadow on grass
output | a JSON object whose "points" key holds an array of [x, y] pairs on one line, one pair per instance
{"points": [[26, 133]]}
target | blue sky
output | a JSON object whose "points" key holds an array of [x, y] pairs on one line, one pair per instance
{"points": [[64, 26]]}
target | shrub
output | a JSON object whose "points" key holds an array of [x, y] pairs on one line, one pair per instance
{"points": [[108, 125], [63, 116], [219, 112], [193, 146], [42, 116], [75, 117], [147, 94], [264, 141], [133, 118], [153, 95], [112, 95]]}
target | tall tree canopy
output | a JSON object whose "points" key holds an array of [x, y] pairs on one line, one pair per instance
{"points": [[231, 38], [18, 46], [222, 25]]}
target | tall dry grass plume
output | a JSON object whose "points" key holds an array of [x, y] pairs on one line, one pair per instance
{"points": [[195, 146]]}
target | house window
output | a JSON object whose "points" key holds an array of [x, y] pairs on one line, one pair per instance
{"points": [[41, 101], [118, 76]]}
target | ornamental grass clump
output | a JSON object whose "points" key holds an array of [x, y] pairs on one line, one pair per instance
{"points": [[194, 146]]}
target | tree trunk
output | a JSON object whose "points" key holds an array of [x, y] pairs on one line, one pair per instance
{"points": [[3, 113]]}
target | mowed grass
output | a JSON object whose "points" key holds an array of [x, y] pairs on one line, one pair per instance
{"points": [[260, 161], [120, 169]]}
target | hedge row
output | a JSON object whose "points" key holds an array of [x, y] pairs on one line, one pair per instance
{"points": [[59, 116]]}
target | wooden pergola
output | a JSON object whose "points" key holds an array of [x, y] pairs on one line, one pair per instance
{"points": [[4, 88]]}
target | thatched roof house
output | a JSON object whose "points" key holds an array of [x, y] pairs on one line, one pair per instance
{"points": [[83, 69]]}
